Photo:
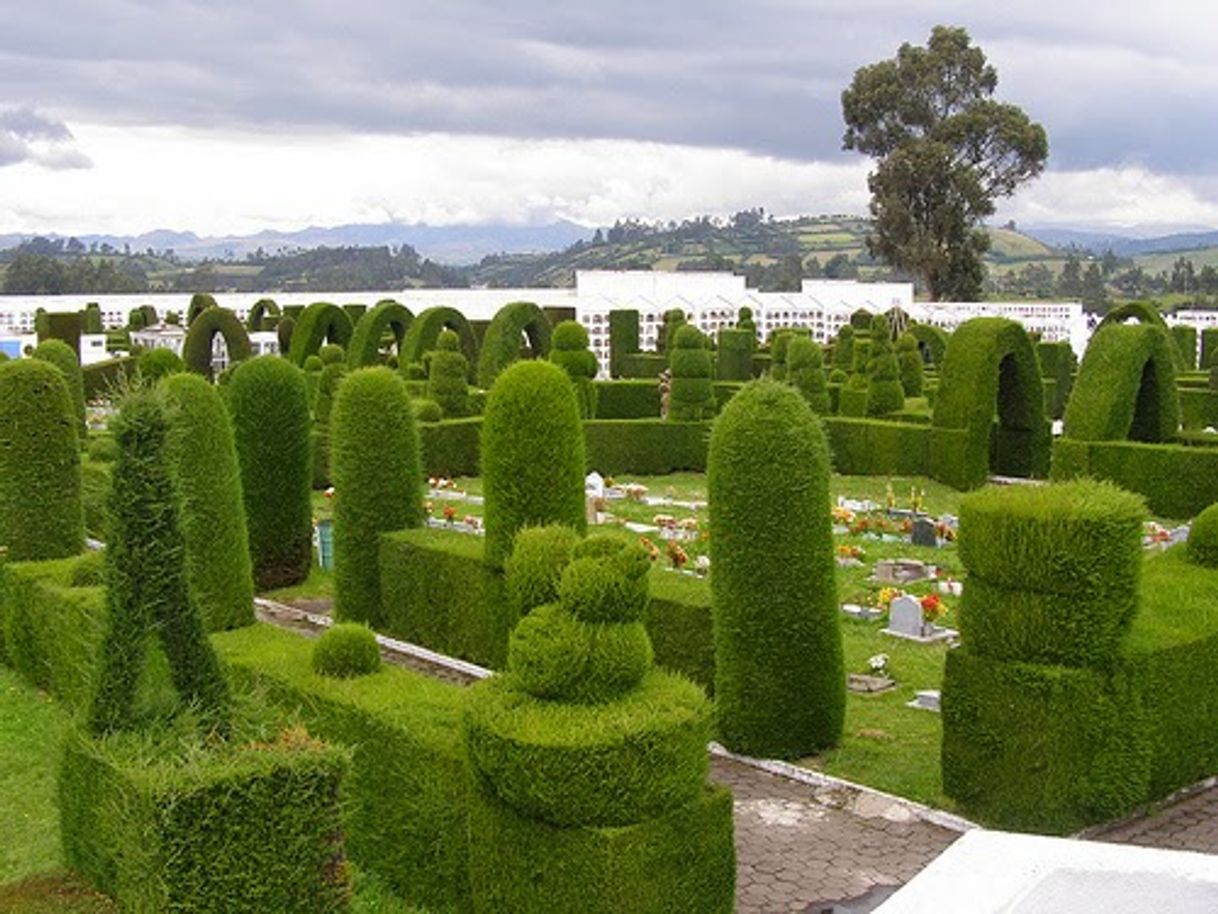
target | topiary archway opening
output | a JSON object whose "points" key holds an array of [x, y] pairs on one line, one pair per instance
{"points": [[989, 413], [426, 328], [932, 342], [263, 307], [370, 330], [1144, 314], [516, 325], [197, 347], [319, 323]]}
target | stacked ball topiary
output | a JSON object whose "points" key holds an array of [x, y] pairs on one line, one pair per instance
{"points": [[852, 400], [584, 753], [805, 370], [910, 359], [692, 396], [884, 392], [569, 351], [447, 370], [744, 321]]}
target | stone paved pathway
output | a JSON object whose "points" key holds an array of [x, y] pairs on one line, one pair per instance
{"points": [[1189, 824]]}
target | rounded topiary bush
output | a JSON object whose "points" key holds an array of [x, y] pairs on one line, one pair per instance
{"points": [[345, 650], [427, 410], [532, 455], [41, 512], [534, 569], [447, 371], [806, 372], [332, 354], [158, 363], [692, 395], [378, 482], [269, 405], [780, 682], [63, 357], [569, 351], [1203, 538]]}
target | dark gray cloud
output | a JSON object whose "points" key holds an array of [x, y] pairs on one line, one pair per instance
{"points": [[764, 75], [28, 136]]}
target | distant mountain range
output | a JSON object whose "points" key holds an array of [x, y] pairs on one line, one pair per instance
{"points": [[451, 244], [1123, 245]]}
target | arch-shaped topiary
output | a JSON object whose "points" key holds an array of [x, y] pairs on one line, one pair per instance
{"points": [[447, 370], [269, 404], [569, 351], [41, 512], [258, 310], [932, 342], [64, 357], [199, 302], [284, 331], [426, 328], [1126, 387], [532, 455], [860, 319], [364, 348], [989, 372], [780, 684], [501, 344], [319, 323], [375, 464], [197, 347], [1142, 312]]}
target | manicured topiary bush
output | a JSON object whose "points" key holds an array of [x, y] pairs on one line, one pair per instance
{"points": [[674, 320], [284, 331], [374, 453], [843, 349], [1203, 538], [426, 328], [203, 464], [102, 449], [860, 319], [1058, 363], [65, 326], [269, 405], [332, 354], [345, 650], [744, 320], [852, 396], [502, 343], [62, 356], [1185, 338], [535, 567], [932, 341], [623, 338], [779, 673], [92, 318], [328, 383], [199, 302], [427, 410], [806, 372], [319, 323], [41, 516], [1209, 347], [569, 351], [263, 307], [692, 396], [532, 455], [884, 392], [370, 329], [158, 363], [734, 359], [196, 349], [447, 370], [910, 360]]}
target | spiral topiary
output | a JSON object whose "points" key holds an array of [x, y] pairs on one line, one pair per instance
{"points": [[446, 373], [378, 482], [41, 512], [806, 372], [532, 455], [910, 359], [63, 357], [346, 650], [158, 363], [269, 405], [569, 351], [779, 675], [884, 392], [692, 396]]}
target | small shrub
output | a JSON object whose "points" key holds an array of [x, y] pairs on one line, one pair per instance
{"points": [[332, 354], [102, 449], [347, 649], [1203, 538]]}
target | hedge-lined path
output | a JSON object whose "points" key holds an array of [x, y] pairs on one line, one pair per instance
{"points": [[1188, 824], [799, 847]]}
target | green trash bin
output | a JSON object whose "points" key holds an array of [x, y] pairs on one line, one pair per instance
{"points": [[323, 535]]}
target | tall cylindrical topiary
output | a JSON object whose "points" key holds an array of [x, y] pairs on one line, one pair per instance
{"points": [[328, 382], [41, 513], [780, 683], [843, 349], [64, 357], [447, 370], [674, 320], [692, 395], [533, 460], [910, 359], [270, 410], [203, 462], [569, 351], [806, 372], [884, 392], [378, 484]]}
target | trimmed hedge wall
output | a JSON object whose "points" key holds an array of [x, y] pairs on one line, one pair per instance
{"points": [[41, 513], [319, 323], [779, 670], [627, 399], [648, 447], [1057, 364], [648, 365], [101, 377], [1198, 408], [734, 358], [501, 345], [1126, 387], [63, 325], [1185, 338], [207, 478], [692, 395], [1209, 348], [269, 404], [196, 349], [60, 354], [364, 348], [623, 339], [451, 448], [874, 447], [374, 449]]}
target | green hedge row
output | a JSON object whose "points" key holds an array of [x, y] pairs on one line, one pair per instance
{"points": [[101, 377], [875, 447], [1198, 408], [631, 399], [647, 365], [645, 446]]}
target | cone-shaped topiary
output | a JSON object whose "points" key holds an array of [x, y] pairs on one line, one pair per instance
{"points": [[532, 455], [269, 405], [203, 462], [569, 351], [378, 483], [910, 359], [884, 392], [806, 372], [41, 513], [692, 396], [447, 370], [64, 357], [780, 684]]}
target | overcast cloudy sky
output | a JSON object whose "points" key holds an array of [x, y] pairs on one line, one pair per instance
{"points": [[236, 115]]}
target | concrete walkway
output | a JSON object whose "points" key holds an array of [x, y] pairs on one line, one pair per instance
{"points": [[1187, 824]]}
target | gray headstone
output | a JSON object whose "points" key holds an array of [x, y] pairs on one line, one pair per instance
{"points": [[924, 533], [905, 616]]}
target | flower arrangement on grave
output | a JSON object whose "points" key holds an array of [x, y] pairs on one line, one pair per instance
{"points": [[665, 521], [473, 521], [945, 532], [877, 665], [688, 523], [932, 607], [653, 551], [1156, 533], [676, 555], [906, 527], [440, 482], [848, 551], [841, 515], [888, 594], [634, 491], [450, 514]]}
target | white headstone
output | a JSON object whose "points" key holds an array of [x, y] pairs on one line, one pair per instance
{"points": [[905, 616], [594, 485]]}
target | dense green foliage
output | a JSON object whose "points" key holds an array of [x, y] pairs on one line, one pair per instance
{"points": [[203, 463], [734, 359], [425, 330], [159, 363], [196, 349], [1057, 364], [41, 514], [569, 351], [269, 405], [502, 343], [805, 370], [623, 339], [62, 325], [692, 392], [369, 333], [329, 380], [535, 567], [779, 677], [643, 365], [885, 393], [62, 356], [1209, 347], [532, 455], [843, 348], [646, 446], [875, 447], [627, 399], [912, 367], [374, 451], [320, 323], [1203, 538], [1185, 338], [346, 649]]}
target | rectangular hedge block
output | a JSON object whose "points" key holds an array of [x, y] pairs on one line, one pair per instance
{"points": [[627, 399], [682, 861], [252, 828], [1199, 407], [874, 447], [650, 447], [642, 365], [451, 448]]}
